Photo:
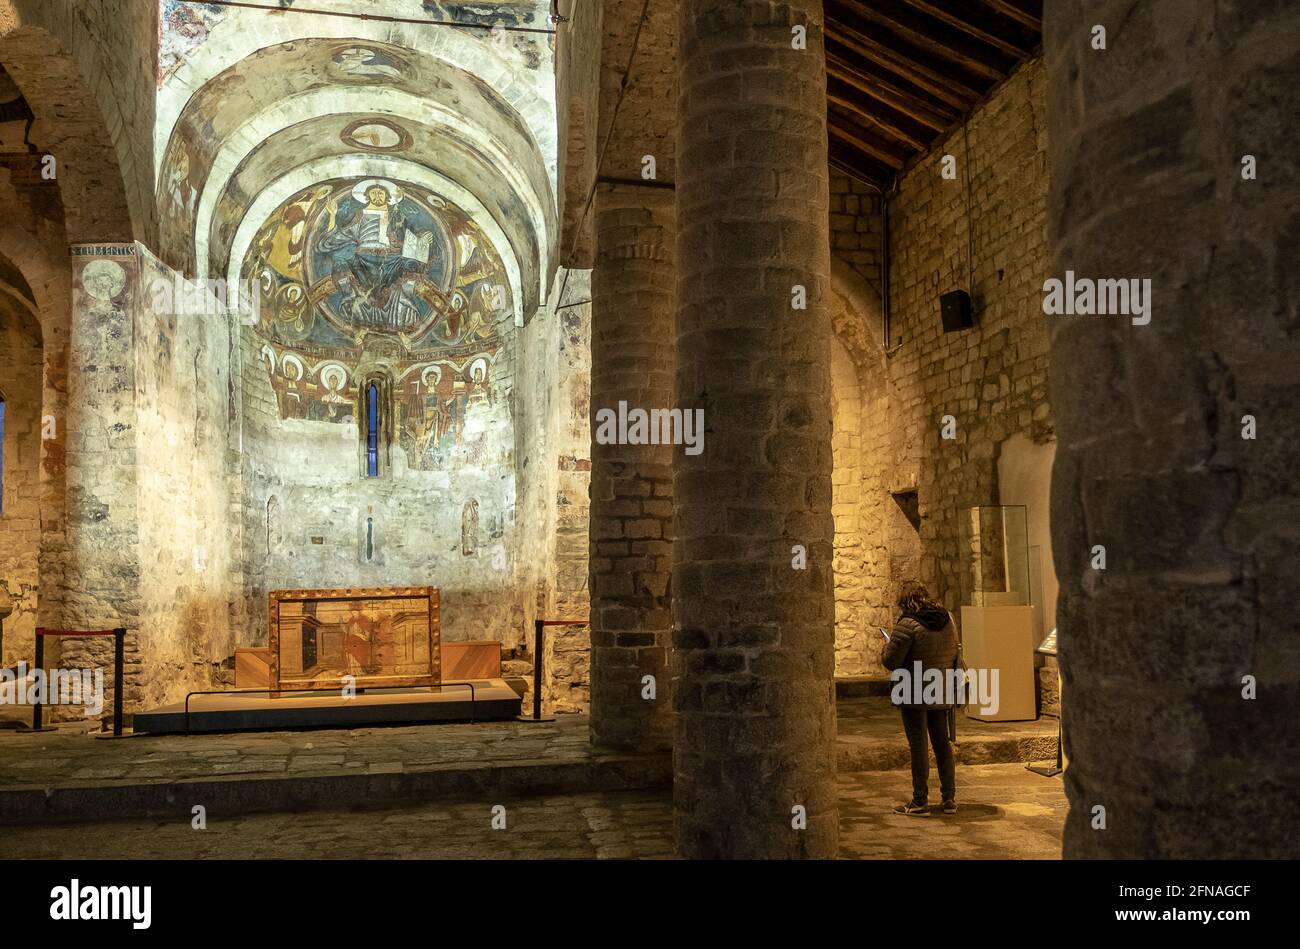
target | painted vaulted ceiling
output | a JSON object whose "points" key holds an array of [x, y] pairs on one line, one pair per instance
{"points": [[452, 100]]}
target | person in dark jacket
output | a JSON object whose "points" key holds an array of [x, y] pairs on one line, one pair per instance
{"points": [[924, 639]]}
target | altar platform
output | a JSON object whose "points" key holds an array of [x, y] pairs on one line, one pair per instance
{"points": [[477, 700]]}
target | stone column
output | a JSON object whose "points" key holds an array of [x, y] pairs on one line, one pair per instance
{"points": [[1170, 754], [98, 582], [753, 625], [631, 485]]}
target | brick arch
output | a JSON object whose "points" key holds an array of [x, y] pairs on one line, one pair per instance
{"points": [[70, 126], [856, 313], [48, 277], [43, 262], [860, 485]]}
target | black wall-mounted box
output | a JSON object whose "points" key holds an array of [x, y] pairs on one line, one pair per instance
{"points": [[956, 310]]}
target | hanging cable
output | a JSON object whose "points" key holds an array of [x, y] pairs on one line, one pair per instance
{"points": [[970, 227], [374, 17]]}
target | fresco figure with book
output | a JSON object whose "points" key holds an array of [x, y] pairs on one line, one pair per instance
{"points": [[379, 260]]}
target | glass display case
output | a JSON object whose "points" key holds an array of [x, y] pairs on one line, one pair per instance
{"points": [[995, 556]]}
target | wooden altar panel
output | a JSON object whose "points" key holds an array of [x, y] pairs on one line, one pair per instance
{"points": [[252, 667], [383, 637], [471, 659]]}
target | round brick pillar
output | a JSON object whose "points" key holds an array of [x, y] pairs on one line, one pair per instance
{"points": [[1179, 659], [753, 653], [631, 485]]}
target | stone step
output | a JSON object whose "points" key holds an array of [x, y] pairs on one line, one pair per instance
{"points": [[870, 738], [860, 687], [874, 754], [224, 796]]}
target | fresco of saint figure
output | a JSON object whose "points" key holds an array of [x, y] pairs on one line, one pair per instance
{"points": [[369, 65], [379, 247]]}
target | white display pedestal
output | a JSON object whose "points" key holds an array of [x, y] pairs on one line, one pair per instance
{"points": [[1002, 638]]}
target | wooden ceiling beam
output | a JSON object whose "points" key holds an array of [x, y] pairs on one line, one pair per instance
{"points": [[1018, 13], [927, 76], [867, 143], [938, 39], [965, 21], [857, 166], [874, 119], [930, 113]]}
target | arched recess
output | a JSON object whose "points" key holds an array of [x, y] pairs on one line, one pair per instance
{"points": [[71, 126], [369, 167], [293, 104], [43, 289], [20, 438], [241, 34], [470, 178], [862, 473]]}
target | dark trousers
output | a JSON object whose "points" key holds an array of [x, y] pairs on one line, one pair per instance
{"points": [[917, 719]]}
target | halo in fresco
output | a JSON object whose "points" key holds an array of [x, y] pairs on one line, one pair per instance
{"points": [[376, 135]]}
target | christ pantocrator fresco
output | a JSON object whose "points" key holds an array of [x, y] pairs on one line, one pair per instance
{"points": [[374, 265], [386, 258]]}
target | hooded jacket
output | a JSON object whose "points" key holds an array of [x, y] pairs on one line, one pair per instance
{"points": [[928, 637]]}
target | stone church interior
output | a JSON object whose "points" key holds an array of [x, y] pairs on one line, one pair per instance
{"points": [[419, 408]]}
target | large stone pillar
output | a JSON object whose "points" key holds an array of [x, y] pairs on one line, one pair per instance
{"points": [[632, 295], [98, 581], [1171, 753], [753, 628]]}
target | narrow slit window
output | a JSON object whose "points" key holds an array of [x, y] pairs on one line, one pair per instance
{"points": [[372, 431]]}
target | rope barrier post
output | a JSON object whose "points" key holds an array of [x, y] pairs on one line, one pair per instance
{"points": [[43, 683], [119, 648], [40, 664], [538, 626]]}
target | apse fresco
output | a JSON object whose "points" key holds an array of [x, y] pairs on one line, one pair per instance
{"points": [[392, 270]]}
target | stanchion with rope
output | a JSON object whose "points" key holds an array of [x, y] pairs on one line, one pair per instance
{"points": [[119, 642], [538, 626]]}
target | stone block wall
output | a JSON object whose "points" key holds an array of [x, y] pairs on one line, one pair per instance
{"points": [[149, 545], [99, 570], [94, 88], [20, 527], [857, 226], [571, 663], [554, 473], [991, 379], [189, 578], [34, 247], [312, 520]]}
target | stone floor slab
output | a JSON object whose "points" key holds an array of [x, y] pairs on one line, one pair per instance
{"points": [[1006, 813]]}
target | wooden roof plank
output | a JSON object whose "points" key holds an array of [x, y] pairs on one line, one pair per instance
{"points": [[931, 113], [955, 92], [868, 144], [969, 22], [1018, 13], [855, 166], [873, 119], [935, 36]]}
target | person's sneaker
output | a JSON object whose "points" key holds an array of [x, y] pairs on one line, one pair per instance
{"points": [[912, 809], [950, 806]]}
